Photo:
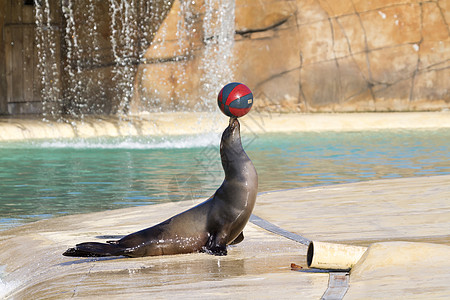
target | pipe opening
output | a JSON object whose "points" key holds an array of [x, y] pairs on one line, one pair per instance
{"points": [[310, 254]]}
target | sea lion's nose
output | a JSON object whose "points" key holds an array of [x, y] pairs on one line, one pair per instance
{"points": [[233, 122]]}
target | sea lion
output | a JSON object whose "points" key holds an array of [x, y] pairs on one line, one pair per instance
{"points": [[208, 227]]}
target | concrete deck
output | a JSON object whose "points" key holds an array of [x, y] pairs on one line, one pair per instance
{"points": [[163, 124], [415, 210]]}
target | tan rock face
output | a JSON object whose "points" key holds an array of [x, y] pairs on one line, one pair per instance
{"points": [[295, 55], [309, 56]]}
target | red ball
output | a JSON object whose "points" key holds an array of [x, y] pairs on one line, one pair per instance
{"points": [[235, 99]]}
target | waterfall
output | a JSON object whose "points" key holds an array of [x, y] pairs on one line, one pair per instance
{"points": [[218, 26], [101, 44], [123, 40], [74, 54], [48, 66]]}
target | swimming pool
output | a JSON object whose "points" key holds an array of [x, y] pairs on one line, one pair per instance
{"points": [[43, 179]]}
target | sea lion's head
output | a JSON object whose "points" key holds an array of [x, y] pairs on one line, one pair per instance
{"points": [[230, 146], [231, 137]]}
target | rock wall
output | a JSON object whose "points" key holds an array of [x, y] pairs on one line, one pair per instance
{"points": [[310, 56], [295, 55]]}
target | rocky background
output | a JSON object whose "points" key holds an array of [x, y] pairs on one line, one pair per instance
{"points": [[295, 55], [311, 56]]}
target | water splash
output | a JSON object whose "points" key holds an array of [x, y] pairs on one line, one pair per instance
{"points": [[6, 287], [219, 29], [84, 81], [123, 37], [48, 66], [74, 53]]}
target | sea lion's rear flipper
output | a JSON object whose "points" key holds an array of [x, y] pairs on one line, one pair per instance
{"points": [[94, 249], [238, 239]]}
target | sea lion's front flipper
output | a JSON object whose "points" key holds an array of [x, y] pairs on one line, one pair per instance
{"points": [[214, 247], [238, 239]]}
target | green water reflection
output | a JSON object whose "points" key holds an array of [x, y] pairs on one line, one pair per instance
{"points": [[45, 179]]}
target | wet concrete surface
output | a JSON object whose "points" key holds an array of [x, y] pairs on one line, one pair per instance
{"points": [[162, 124], [365, 213]]}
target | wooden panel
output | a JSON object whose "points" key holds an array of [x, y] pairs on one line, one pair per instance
{"points": [[8, 18], [8, 62], [20, 63], [17, 63], [21, 54], [15, 15], [28, 62], [28, 14]]}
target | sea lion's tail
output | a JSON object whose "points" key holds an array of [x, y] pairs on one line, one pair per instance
{"points": [[94, 249]]}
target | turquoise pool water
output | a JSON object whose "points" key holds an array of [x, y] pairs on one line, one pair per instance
{"points": [[43, 179]]}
